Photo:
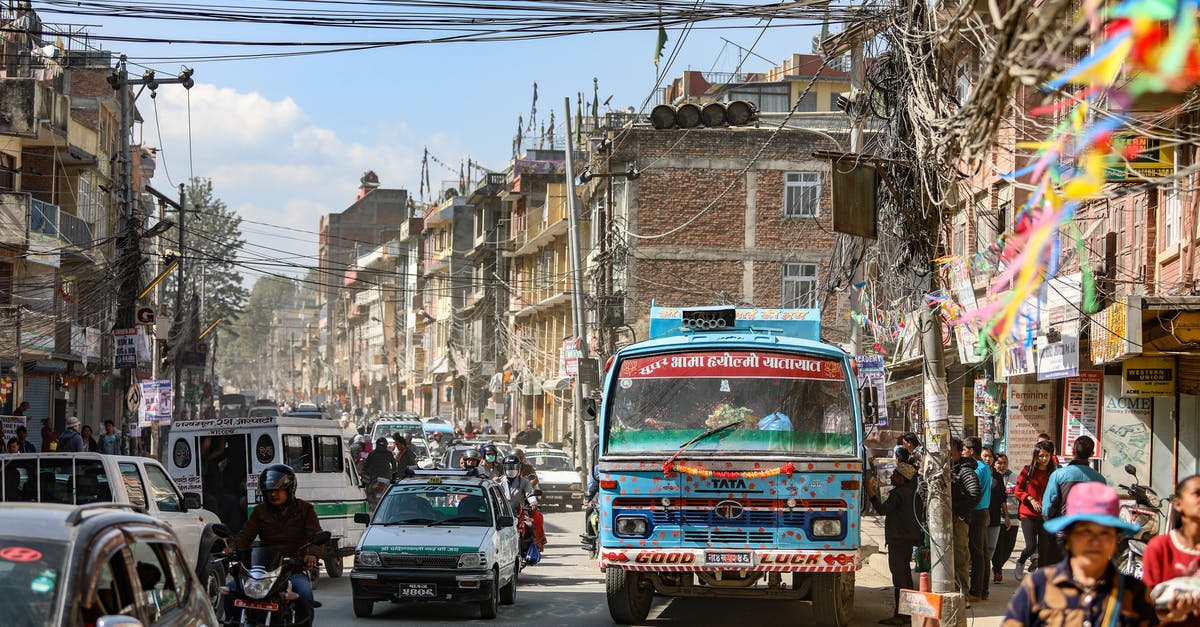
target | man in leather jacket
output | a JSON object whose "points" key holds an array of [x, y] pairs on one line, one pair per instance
{"points": [[283, 523]]}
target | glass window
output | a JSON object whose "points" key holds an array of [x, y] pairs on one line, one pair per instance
{"points": [[329, 453], [56, 481], [1172, 216], [801, 194], [775, 402], [166, 497], [416, 504], [808, 103], [297, 452], [113, 590], [91, 482], [30, 574], [133, 484], [18, 480], [799, 285], [159, 591]]}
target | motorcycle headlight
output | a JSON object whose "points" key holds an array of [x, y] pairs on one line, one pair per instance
{"points": [[367, 559], [472, 560], [257, 588]]}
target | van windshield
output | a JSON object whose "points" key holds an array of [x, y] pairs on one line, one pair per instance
{"points": [[785, 402]]}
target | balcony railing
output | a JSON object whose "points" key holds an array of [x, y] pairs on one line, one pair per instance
{"points": [[23, 217]]}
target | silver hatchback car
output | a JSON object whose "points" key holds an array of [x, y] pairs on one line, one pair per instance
{"points": [[98, 564]]}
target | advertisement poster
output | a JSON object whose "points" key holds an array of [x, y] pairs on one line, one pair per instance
{"points": [[125, 348], [157, 402], [1029, 413], [1014, 361], [1057, 360], [1125, 431], [986, 400], [871, 374], [1148, 376], [1081, 410], [10, 426]]}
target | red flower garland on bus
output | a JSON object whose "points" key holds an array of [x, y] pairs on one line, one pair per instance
{"points": [[672, 467]]}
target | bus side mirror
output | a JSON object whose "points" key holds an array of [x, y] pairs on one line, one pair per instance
{"points": [[869, 398], [589, 409]]}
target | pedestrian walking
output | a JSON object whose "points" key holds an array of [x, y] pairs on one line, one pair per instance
{"points": [[1031, 486], [1085, 589], [1177, 554], [964, 496], [997, 513], [1063, 480], [901, 530], [1007, 539]]}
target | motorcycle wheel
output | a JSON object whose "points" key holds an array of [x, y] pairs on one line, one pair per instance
{"points": [[334, 564]]}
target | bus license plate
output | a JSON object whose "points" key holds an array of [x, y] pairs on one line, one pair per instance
{"points": [[415, 590], [739, 557]]}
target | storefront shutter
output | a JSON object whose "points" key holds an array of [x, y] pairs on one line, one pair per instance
{"points": [[1189, 374], [37, 394]]}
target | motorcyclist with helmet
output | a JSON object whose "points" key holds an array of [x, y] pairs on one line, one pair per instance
{"points": [[378, 469], [470, 461], [521, 495], [282, 523], [527, 469], [491, 466]]}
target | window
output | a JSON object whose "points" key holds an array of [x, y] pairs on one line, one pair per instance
{"points": [[114, 590], [329, 453], [808, 103], [133, 484], [297, 452], [166, 497], [160, 591], [91, 482], [1172, 216], [833, 101], [772, 98], [799, 285], [801, 194]]}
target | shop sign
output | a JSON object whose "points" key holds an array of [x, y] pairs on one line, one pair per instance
{"points": [[905, 388], [1029, 413], [571, 354], [1125, 431], [125, 348], [1057, 360], [871, 375], [1148, 376], [1081, 409], [1147, 157], [1114, 334], [1015, 360]]}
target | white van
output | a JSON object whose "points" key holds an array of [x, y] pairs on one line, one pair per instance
{"points": [[220, 459]]}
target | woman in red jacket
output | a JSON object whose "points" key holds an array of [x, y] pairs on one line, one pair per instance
{"points": [[1031, 485], [1177, 554]]}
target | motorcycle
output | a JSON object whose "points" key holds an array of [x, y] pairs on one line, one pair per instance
{"points": [[261, 587], [1141, 506], [590, 540]]}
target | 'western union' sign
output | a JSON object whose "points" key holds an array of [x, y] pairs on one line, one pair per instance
{"points": [[1150, 158], [1148, 376]]}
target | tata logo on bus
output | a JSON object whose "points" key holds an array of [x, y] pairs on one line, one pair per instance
{"points": [[673, 557], [729, 484]]}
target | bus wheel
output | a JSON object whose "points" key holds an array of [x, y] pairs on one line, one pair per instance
{"points": [[629, 594], [833, 599]]}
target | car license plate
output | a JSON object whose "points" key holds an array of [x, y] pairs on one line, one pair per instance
{"points": [[417, 590], [256, 605], [738, 557]]}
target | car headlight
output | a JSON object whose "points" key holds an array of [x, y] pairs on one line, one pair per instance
{"points": [[472, 560], [631, 525], [257, 588], [367, 559], [826, 527], [577, 486]]}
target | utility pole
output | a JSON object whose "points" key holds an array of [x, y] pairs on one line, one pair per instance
{"points": [[937, 467], [582, 444], [129, 226], [180, 401]]}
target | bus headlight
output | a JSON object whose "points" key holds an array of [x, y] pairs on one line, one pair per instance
{"points": [[632, 526], [827, 527]]}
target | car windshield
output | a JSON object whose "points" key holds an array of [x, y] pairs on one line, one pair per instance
{"points": [[30, 579], [784, 402], [550, 462], [387, 430], [427, 504]]}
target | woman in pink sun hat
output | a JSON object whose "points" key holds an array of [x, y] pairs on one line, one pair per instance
{"points": [[1084, 590]]}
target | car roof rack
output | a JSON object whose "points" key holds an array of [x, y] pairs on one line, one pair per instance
{"points": [[76, 514]]}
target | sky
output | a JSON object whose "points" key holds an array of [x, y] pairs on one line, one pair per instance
{"points": [[286, 141]]}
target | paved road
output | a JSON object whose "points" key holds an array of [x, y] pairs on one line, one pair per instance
{"points": [[566, 588]]}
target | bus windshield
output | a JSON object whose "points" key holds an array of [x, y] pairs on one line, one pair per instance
{"points": [[786, 402]]}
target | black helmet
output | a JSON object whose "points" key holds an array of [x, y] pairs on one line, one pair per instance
{"points": [[489, 449], [381, 443], [277, 477], [511, 461], [471, 458]]}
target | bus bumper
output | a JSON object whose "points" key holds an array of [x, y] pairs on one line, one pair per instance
{"points": [[748, 560]]}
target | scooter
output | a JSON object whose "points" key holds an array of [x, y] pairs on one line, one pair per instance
{"points": [[589, 541], [261, 587], [1141, 506]]}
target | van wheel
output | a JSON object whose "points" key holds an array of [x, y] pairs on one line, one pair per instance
{"points": [[334, 564], [212, 587], [508, 594], [490, 607], [629, 595], [363, 608]]}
